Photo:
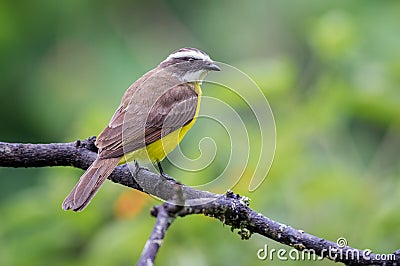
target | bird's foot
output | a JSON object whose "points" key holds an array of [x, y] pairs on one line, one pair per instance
{"points": [[167, 177]]}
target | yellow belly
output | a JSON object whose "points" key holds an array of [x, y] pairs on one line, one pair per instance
{"points": [[157, 150]]}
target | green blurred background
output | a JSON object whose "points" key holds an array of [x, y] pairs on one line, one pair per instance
{"points": [[330, 70]]}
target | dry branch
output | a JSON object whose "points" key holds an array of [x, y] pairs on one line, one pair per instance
{"points": [[230, 209]]}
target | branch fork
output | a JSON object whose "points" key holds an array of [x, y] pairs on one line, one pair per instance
{"points": [[180, 201]]}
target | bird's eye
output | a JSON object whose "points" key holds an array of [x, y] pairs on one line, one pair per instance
{"points": [[189, 59]]}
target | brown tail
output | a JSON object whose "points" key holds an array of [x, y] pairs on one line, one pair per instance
{"points": [[89, 183]]}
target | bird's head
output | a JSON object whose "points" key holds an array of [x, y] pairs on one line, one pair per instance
{"points": [[189, 64]]}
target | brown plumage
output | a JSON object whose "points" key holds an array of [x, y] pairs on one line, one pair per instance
{"points": [[89, 183]]}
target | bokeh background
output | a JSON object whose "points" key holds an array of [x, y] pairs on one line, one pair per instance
{"points": [[330, 70]]}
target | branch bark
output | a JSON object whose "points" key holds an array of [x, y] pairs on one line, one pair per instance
{"points": [[156, 238], [230, 209]]}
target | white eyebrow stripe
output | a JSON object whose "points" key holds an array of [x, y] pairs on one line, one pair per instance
{"points": [[193, 54]]}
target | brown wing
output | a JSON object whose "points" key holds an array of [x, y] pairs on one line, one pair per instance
{"points": [[146, 120], [173, 111]]}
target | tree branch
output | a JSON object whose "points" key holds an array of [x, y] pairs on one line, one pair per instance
{"points": [[165, 214], [154, 242], [230, 209]]}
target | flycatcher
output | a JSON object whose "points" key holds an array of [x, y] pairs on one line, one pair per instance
{"points": [[155, 113]]}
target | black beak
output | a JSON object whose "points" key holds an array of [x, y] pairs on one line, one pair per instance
{"points": [[213, 67]]}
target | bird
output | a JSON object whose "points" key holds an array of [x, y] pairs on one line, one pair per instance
{"points": [[154, 115]]}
